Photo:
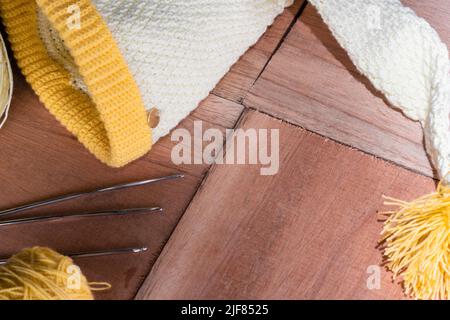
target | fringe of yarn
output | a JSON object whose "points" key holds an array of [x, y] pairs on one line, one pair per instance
{"points": [[416, 241], [43, 274]]}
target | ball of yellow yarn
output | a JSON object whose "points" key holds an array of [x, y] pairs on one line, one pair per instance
{"points": [[42, 274]]}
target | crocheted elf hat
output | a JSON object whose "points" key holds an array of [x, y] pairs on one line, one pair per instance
{"points": [[98, 65]]}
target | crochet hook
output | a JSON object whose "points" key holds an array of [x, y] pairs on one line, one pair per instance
{"points": [[83, 194], [98, 253], [81, 215]]}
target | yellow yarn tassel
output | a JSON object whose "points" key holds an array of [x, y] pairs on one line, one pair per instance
{"points": [[43, 274], [416, 240]]}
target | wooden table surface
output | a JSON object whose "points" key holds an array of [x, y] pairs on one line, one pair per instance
{"points": [[309, 232]]}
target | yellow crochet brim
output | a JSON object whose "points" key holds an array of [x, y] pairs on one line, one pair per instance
{"points": [[111, 120]]}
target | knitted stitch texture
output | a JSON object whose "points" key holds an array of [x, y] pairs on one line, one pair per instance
{"points": [[111, 121], [178, 50], [403, 57]]}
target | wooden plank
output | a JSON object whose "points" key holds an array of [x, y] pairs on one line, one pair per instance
{"points": [[40, 159], [311, 82], [307, 233], [241, 77]]}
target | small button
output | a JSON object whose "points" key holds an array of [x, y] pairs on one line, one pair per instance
{"points": [[153, 117]]}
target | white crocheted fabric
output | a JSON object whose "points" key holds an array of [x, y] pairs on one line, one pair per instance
{"points": [[179, 50], [403, 57]]}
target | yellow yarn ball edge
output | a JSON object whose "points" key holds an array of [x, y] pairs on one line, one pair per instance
{"points": [[42, 274]]}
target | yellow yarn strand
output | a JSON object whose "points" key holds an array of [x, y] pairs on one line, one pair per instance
{"points": [[416, 240], [43, 274]]}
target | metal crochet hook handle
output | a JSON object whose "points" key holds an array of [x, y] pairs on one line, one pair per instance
{"points": [[82, 194], [97, 253]]}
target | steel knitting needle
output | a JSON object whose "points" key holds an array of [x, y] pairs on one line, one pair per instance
{"points": [[98, 253], [107, 252], [82, 194], [108, 213]]}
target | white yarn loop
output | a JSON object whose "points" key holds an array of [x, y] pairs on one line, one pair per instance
{"points": [[6, 83]]}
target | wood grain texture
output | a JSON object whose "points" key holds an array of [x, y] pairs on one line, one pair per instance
{"points": [[40, 159], [307, 233], [311, 82], [243, 74], [214, 112]]}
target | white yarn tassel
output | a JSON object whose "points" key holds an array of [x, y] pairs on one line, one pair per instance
{"points": [[404, 58]]}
